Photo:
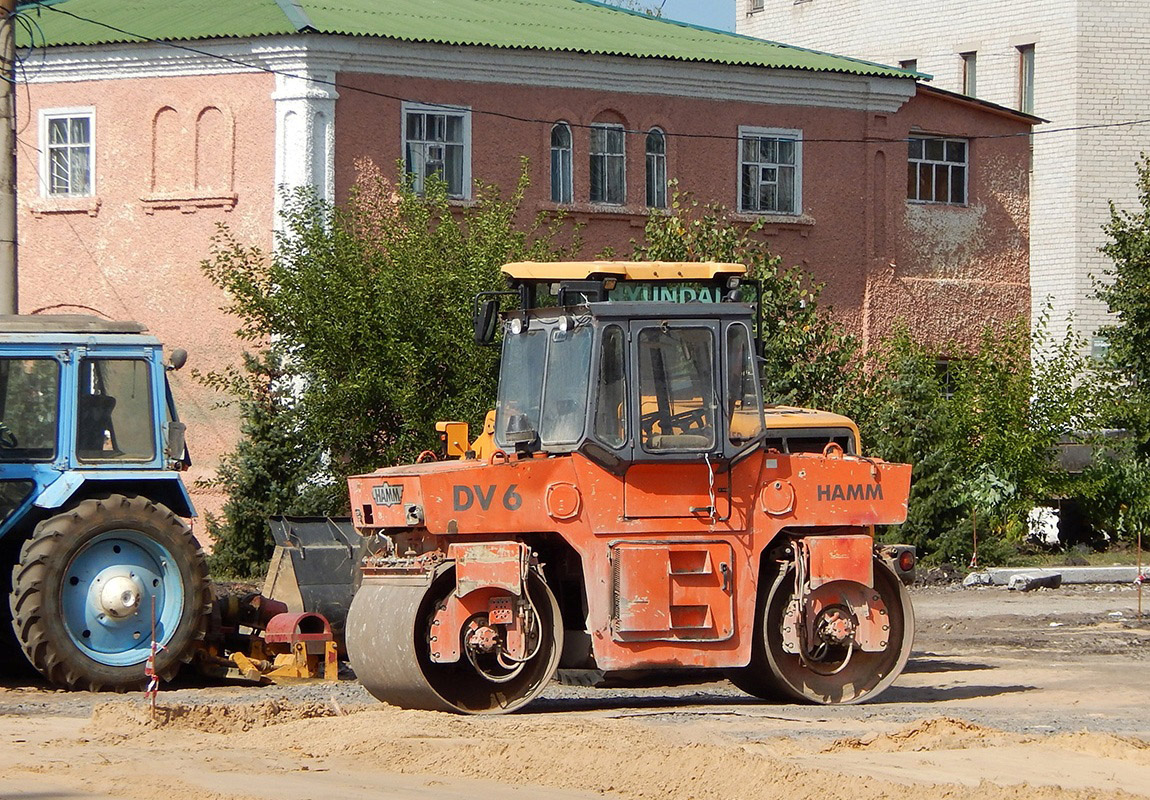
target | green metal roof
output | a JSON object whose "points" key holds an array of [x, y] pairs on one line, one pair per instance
{"points": [[577, 26]]}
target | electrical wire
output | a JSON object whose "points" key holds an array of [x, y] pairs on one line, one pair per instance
{"points": [[539, 121]]}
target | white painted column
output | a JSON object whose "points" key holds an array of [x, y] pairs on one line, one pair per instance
{"points": [[305, 130]]}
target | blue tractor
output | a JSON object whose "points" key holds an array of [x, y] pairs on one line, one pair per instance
{"points": [[96, 555]]}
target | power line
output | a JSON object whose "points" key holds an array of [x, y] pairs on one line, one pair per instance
{"points": [[538, 121]]}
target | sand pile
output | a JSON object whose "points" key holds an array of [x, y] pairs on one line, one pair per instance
{"points": [[617, 756], [125, 717], [938, 733]]}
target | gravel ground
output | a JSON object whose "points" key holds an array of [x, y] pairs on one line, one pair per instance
{"points": [[1007, 696]]}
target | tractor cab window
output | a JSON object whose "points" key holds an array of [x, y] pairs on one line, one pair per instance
{"points": [[520, 386], [543, 381], [744, 402], [676, 389], [29, 408], [114, 420]]}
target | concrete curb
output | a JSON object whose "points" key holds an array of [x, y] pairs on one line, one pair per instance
{"points": [[1002, 577]]}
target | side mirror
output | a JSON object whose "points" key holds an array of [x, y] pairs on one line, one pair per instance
{"points": [[177, 447], [486, 319], [178, 358]]}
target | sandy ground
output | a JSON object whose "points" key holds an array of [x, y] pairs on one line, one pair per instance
{"points": [[1043, 695]]}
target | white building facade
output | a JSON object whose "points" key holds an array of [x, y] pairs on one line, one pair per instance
{"points": [[1080, 64]]}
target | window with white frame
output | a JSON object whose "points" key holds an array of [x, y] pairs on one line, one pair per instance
{"points": [[936, 170], [1026, 78], [770, 171], [754, 5], [608, 164], [437, 142], [561, 186], [656, 169], [67, 156], [969, 73]]}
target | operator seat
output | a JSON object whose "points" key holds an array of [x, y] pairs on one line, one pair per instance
{"points": [[93, 424]]}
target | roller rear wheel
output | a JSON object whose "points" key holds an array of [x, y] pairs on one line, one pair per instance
{"points": [[839, 675], [389, 626]]}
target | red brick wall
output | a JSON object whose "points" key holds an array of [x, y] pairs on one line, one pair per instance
{"points": [[862, 224]]}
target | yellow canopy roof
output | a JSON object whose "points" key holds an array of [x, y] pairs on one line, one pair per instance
{"points": [[623, 270]]}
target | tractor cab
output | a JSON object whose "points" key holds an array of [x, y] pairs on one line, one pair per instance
{"points": [[628, 362]]}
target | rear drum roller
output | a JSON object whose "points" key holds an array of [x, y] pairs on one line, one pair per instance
{"points": [[837, 675], [388, 644]]}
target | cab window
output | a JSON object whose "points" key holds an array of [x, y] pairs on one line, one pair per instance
{"points": [[114, 420], [676, 389], [29, 408], [520, 384], [611, 411], [565, 389], [744, 401]]}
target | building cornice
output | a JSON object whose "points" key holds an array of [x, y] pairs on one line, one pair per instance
{"points": [[303, 53]]}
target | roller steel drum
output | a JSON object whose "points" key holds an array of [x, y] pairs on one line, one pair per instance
{"points": [[387, 643]]}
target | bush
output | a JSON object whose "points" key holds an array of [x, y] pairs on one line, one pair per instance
{"points": [[985, 452]]}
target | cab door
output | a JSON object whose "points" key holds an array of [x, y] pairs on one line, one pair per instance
{"points": [[678, 447]]}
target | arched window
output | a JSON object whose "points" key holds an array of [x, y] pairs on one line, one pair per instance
{"points": [[561, 190], [608, 164], [656, 169]]}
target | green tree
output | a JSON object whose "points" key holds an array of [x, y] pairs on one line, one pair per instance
{"points": [[364, 312], [1116, 483], [268, 473], [1126, 292]]}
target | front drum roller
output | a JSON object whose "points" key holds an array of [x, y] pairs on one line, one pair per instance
{"points": [[840, 677], [388, 644]]}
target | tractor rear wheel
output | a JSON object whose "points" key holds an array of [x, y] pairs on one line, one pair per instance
{"points": [[841, 675], [13, 664], [389, 634], [92, 581]]}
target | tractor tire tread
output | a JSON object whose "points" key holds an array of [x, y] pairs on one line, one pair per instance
{"points": [[27, 600]]}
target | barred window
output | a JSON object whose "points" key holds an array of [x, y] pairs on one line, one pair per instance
{"points": [[67, 149], [936, 170], [437, 141]]}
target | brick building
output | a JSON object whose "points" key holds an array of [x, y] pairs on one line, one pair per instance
{"points": [[143, 125], [1072, 62]]}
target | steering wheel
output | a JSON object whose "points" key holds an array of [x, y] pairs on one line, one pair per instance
{"points": [[684, 421], [7, 438]]}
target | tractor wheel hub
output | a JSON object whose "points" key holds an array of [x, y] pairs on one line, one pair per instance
{"points": [[120, 596]]}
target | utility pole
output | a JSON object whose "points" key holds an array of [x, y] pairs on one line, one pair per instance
{"points": [[8, 293]]}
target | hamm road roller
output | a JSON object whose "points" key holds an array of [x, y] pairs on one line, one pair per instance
{"points": [[640, 509]]}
